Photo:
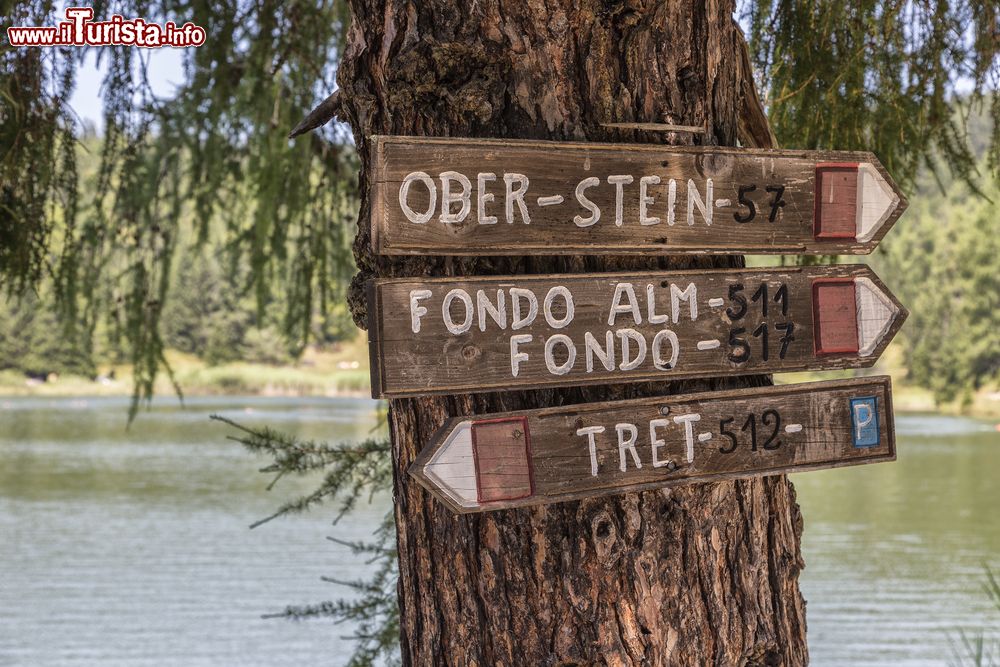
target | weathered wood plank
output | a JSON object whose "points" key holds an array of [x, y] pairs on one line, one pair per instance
{"points": [[488, 334], [542, 456], [503, 197]]}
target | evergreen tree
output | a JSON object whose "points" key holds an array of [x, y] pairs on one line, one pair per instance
{"points": [[952, 343], [34, 341], [169, 168], [833, 73], [881, 76]]}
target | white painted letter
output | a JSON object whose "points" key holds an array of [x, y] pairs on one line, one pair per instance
{"points": [[516, 356], [628, 444], [466, 300], [619, 182], [447, 198], [516, 294], [516, 195], [655, 442], [592, 347], [595, 211], [671, 202], [651, 315], [688, 421], [706, 206], [550, 362], [645, 200], [859, 423], [417, 311], [558, 290], [690, 294], [617, 306], [631, 334], [658, 362], [590, 432], [404, 193], [484, 198], [497, 312]]}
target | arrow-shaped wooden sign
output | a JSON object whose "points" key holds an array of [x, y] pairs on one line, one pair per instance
{"points": [[500, 197], [449, 335], [533, 457]]}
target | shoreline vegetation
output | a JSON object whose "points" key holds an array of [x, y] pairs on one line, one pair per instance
{"points": [[342, 370], [337, 370]]}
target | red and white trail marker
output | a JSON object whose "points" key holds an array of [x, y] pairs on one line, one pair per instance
{"points": [[852, 201], [851, 315], [450, 196], [483, 334], [534, 457]]}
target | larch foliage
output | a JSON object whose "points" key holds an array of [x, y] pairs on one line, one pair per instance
{"points": [[211, 158], [878, 74]]}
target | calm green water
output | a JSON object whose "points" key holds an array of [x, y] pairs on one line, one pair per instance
{"points": [[895, 552], [131, 548]]}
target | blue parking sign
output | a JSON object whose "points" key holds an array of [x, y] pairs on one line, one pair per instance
{"points": [[864, 421]]}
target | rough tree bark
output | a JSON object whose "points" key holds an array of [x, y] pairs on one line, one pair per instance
{"points": [[701, 575]]}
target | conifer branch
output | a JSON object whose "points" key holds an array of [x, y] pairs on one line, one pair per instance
{"points": [[352, 469]]}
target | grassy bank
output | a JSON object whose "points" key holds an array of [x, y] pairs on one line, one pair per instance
{"points": [[342, 370]]}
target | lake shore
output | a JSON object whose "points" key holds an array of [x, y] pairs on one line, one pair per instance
{"points": [[252, 380], [343, 371], [340, 370]]}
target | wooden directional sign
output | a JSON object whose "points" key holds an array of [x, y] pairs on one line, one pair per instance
{"points": [[533, 457], [499, 197], [451, 335]]}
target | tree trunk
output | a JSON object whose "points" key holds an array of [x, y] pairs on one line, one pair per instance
{"points": [[697, 575]]}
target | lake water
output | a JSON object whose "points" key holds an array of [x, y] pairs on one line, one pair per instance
{"points": [[132, 548]]}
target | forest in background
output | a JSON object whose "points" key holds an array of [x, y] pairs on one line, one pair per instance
{"points": [[942, 259], [221, 335], [195, 246], [106, 258]]}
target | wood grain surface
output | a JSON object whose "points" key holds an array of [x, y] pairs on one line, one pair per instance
{"points": [[542, 456], [481, 334], [498, 197]]}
